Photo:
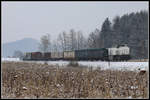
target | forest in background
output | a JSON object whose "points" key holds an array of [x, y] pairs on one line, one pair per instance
{"points": [[130, 29]]}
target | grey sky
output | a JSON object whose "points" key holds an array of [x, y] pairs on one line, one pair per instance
{"points": [[34, 19]]}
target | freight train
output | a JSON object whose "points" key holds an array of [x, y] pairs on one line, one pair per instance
{"points": [[118, 53]]}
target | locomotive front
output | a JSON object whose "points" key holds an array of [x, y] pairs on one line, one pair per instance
{"points": [[121, 52]]}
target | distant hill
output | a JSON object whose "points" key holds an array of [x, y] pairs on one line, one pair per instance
{"points": [[24, 45]]}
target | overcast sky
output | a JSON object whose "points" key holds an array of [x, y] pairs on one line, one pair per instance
{"points": [[34, 19]]}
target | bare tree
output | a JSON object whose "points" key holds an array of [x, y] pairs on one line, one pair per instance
{"points": [[62, 39], [56, 46], [45, 43], [73, 40], [92, 40], [80, 40]]}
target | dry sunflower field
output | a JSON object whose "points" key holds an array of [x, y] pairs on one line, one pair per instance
{"points": [[32, 80]]}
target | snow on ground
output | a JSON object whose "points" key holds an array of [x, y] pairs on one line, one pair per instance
{"points": [[117, 65], [107, 65], [10, 59], [133, 66]]}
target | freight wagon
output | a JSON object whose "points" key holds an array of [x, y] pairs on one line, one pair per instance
{"points": [[91, 54], [121, 52], [33, 56], [46, 56], [69, 55], [56, 55], [27, 56]]}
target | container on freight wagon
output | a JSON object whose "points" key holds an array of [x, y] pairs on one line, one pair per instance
{"points": [[69, 55], [36, 55], [112, 51], [119, 50], [47, 55], [56, 55], [123, 51]]}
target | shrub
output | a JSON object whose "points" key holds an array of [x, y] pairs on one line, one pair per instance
{"points": [[73, 64]]}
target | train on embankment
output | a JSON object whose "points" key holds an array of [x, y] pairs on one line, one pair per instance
{"points": [[118, 53]]}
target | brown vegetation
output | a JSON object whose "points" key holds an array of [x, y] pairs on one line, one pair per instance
{"points": [[31, 80]]}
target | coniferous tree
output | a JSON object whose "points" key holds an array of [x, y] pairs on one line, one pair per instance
{"points": [[106, 34]]}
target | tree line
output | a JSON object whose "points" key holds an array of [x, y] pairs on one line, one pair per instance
{"points": [[130, 29]]}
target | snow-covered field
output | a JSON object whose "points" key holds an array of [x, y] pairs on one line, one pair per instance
{"points": [[133, 66], [10, 59]]}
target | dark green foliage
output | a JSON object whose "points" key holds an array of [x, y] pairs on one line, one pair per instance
{"points": [[131, 29], [134, 32], [106, 34]]}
